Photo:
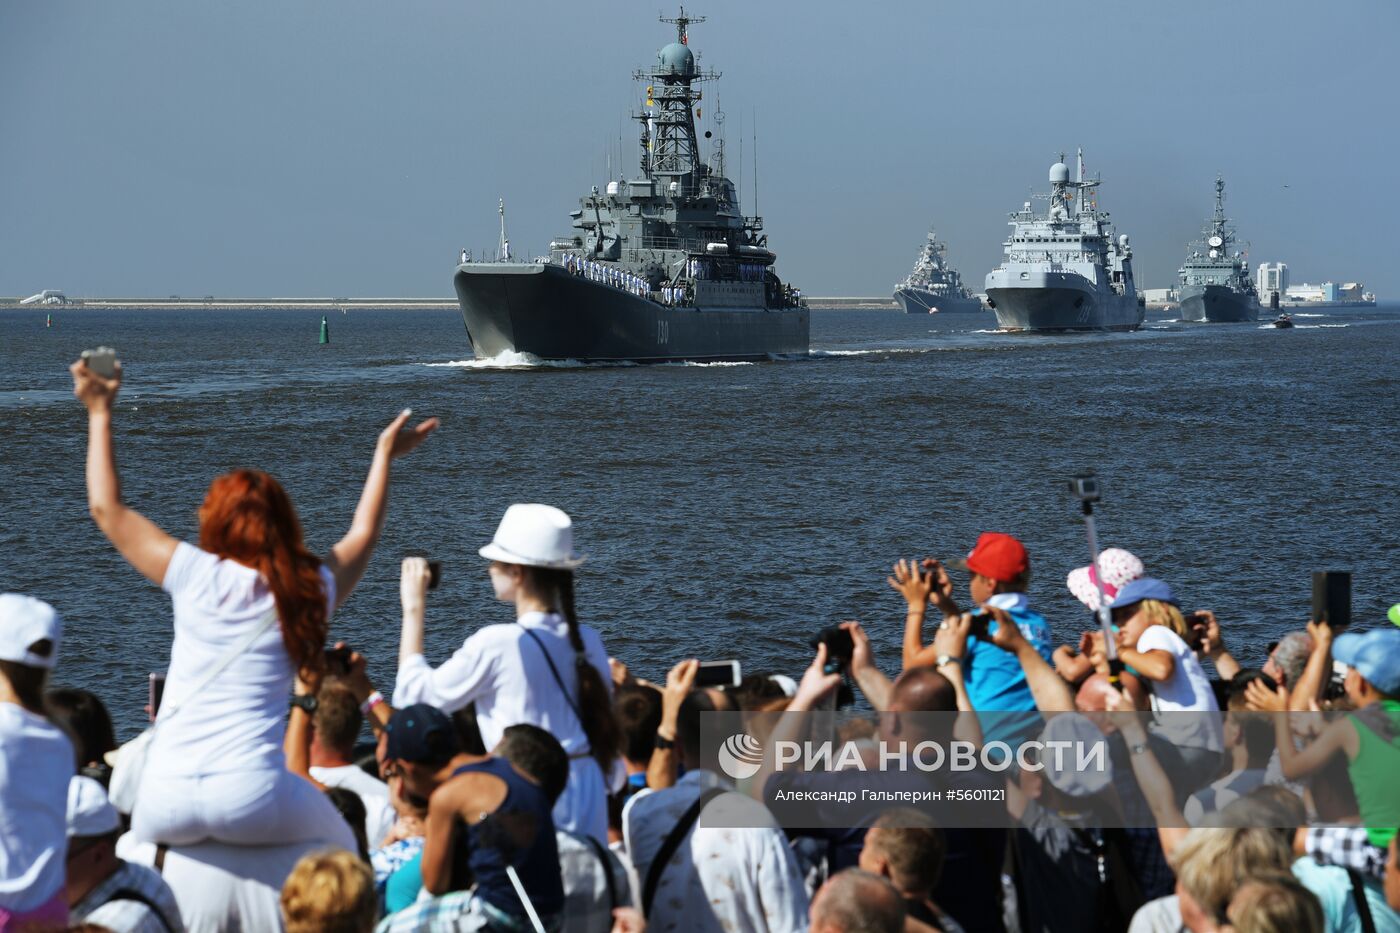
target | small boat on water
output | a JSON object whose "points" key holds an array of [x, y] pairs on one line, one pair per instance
{"points": [[1283, 320]]}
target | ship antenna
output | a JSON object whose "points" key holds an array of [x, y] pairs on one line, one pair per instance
{"points": [[755, 161], [503, 248]]}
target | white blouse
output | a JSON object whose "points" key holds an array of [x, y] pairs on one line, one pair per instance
{"points": [[504, 672]]}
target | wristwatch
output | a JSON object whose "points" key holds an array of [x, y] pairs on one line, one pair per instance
{"points": [[947, 659], [664, 743], [307, 703]]}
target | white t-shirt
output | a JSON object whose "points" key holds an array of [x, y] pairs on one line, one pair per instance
{"points": [[379, 813], [1187, 690], [238, 721], [36, 764]]}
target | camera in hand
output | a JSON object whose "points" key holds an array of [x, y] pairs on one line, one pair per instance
{"points": [[434, 568], [102, 361], [1331, 598], [338, 660], [839, 647]]}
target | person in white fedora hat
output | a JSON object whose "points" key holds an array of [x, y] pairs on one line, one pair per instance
{"points": [[547, 669], [36, 764]]}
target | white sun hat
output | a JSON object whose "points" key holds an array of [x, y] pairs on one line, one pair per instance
{"points": [[25, 620], [534, 535], [1117, 568]]}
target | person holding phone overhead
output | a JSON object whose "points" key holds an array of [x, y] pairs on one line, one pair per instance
{"points": [[253, 604], [546, 669]]}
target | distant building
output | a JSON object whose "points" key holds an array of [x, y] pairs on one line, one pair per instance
{"points": [[1272, 277], [1159, 296], [1328, 291], [49, 296]]}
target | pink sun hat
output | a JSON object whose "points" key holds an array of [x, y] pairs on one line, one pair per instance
{"points": [[1117, 567]]}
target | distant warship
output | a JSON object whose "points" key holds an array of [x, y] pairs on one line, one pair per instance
{"points": [[1215, 285], [660, 267], [934, 287], [1064, 271]]}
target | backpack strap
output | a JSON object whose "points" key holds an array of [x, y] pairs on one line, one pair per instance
{"points": [[131, 894], [555, 671], [601, 851], [671, 843], [1363, 906]]}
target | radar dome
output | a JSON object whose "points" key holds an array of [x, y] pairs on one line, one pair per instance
{"points": [[676, 59], [1059, 173]]}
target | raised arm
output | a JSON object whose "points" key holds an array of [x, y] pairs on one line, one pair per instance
{"points": [[917, 587], [1151, 778], [350, 556], [1213, 646], [663, 767], [871, 680], [1048, 689], [1316, 672], [138, 539]]}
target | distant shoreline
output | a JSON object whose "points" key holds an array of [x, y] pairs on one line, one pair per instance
{"points": [[338, 304]]}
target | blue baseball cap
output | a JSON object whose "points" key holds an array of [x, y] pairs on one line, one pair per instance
{"points": [[1135, 591], [419, 733], [1374, 655]]}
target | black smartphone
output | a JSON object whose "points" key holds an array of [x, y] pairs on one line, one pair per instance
{"points": [[1331, 598], [718, 674], [434, 568], [338, 660], [155, 691]]}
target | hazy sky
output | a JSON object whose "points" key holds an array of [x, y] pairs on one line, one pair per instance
{"points": [[311, 147]]}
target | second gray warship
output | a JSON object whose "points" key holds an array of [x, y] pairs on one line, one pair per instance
{"points": [[1214, 284], [661, 267], [934, 287], [1065, 271]]}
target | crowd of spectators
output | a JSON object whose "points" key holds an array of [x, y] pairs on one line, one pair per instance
{"points": [[529, 782]]}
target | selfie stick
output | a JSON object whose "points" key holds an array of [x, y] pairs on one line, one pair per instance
{"points": [[525, 899], [1110, 644]]}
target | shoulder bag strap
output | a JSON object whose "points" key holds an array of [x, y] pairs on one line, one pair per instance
{"points": [[1363, 906], [267, 622], [601, 851], [131, 894], [671, 843], [555, 671]]}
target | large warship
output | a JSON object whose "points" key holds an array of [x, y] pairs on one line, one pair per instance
{"points": [[1214, 284], [934, 287], [664, 266], [1065, 271]]}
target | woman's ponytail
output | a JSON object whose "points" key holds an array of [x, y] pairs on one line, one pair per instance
{"points": [[594, 700]]}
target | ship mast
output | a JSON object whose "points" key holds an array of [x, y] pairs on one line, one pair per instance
{"points": [[669, 148], [503, 246]]}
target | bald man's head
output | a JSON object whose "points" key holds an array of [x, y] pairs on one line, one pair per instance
{"points": [[1094, 693], [856, 901], [922, 690]]}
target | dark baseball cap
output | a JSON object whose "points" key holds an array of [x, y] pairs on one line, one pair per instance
{"points": [[420, 733]]}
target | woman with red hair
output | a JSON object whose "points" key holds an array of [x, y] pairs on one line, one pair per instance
{"points": [[252, 596]]}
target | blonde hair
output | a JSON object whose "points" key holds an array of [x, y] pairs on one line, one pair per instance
{"points": [[1160, 613], [331, 891], [1276, 903], [1211, 864]]}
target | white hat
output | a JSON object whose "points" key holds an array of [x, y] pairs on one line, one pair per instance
{"points": [[1082, 735], [90, 813], [534, 536], [1117, 568], [23, 621]]}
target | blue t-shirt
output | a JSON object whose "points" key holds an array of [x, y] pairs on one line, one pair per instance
{"points": [[994, 679]]}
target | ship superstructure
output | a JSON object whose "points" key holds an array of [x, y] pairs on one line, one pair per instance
{"points": [[662, 266], [1064, 270], [934, 287], [1215, 285]]}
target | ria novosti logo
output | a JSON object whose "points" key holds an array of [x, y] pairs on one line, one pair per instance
{"points": [[741, 756]]}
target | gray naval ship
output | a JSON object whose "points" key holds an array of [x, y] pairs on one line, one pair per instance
{"points": [[664, 266], [934, 287], [1065, 271], [1214, 284]]}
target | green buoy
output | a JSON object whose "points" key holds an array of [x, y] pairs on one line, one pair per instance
{"points": [[325, 330], [48, 320]]}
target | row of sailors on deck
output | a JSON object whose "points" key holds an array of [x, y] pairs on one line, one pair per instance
{"points": [[608, 275]]}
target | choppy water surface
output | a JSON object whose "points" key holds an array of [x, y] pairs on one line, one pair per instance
{"points": [[726, 510]]}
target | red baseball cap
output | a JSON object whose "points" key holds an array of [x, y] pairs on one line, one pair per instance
{"points": [[998, 557]]}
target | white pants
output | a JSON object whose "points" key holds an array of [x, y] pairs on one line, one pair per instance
{"points": [[246, 808]]}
